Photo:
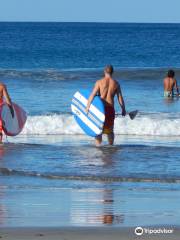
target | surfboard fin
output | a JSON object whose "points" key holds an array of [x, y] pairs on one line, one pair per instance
{"points": [[133, 114]]}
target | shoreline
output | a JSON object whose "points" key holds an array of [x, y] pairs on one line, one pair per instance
{"points": [[83, 140], [80, 233]]}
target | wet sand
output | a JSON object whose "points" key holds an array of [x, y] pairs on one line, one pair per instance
{"points": [[40, 198], [81, 234]]}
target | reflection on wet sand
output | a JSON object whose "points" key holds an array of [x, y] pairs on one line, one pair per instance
{"points": [[91, 207], [94, 207], [108, 216], [3, 211]]}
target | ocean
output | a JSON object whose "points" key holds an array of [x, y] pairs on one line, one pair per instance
{"points": [[52, 174]]}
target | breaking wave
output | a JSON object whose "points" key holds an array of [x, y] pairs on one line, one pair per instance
{"points": [[142, 125]]}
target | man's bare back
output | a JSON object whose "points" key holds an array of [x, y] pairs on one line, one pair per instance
{"points": [[169, 84], [108, 88]]}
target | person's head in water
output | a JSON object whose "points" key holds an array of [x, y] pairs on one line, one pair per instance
{"points": [[171, 73], [109, 70]]}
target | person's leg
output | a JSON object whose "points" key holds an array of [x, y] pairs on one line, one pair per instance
{"points": [[98, 140], [109, 123], [1, 134], [110, 137]]}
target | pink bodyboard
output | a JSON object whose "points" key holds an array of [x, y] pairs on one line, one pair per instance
{"points": [[12, 126]]}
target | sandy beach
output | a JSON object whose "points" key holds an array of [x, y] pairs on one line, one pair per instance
{"points": [[80, 234]]}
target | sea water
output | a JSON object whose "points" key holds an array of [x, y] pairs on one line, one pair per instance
{"points": [[52, 174]]}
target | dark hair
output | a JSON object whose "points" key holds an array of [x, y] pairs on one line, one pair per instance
{"points": [[109, 69], [171, 73]]}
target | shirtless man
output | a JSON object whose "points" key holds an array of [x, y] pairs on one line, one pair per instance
{"points": [[107, 88], [169, 84], [4, 94]]}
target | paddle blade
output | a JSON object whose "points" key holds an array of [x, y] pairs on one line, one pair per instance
{"points": [[133, 114]]}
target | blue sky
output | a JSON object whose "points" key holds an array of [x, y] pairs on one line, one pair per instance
{"points": [[91, 10]]}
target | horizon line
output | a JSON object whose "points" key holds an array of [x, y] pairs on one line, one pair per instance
{"points": [[99, 22]]}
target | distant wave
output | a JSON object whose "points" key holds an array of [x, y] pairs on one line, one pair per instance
{"points": [[8, 172], [84, 73], [35, 74], [158, 124]]}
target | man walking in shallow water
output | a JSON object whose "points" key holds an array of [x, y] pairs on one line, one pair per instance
{"points": [[4, 94], [107, 88]]}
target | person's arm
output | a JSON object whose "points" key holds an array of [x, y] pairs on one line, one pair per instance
{"points": [[93, 94], [121, 100], [176, 86], [8, 100]]}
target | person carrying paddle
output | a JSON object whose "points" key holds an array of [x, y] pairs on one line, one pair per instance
{"points": [[4, 94], [169, 84], [107, 88]]}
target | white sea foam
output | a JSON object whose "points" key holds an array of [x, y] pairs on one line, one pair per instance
{"points": [[65, 124]]}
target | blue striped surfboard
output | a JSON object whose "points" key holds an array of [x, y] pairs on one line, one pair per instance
{"points": [[93, 122]]}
